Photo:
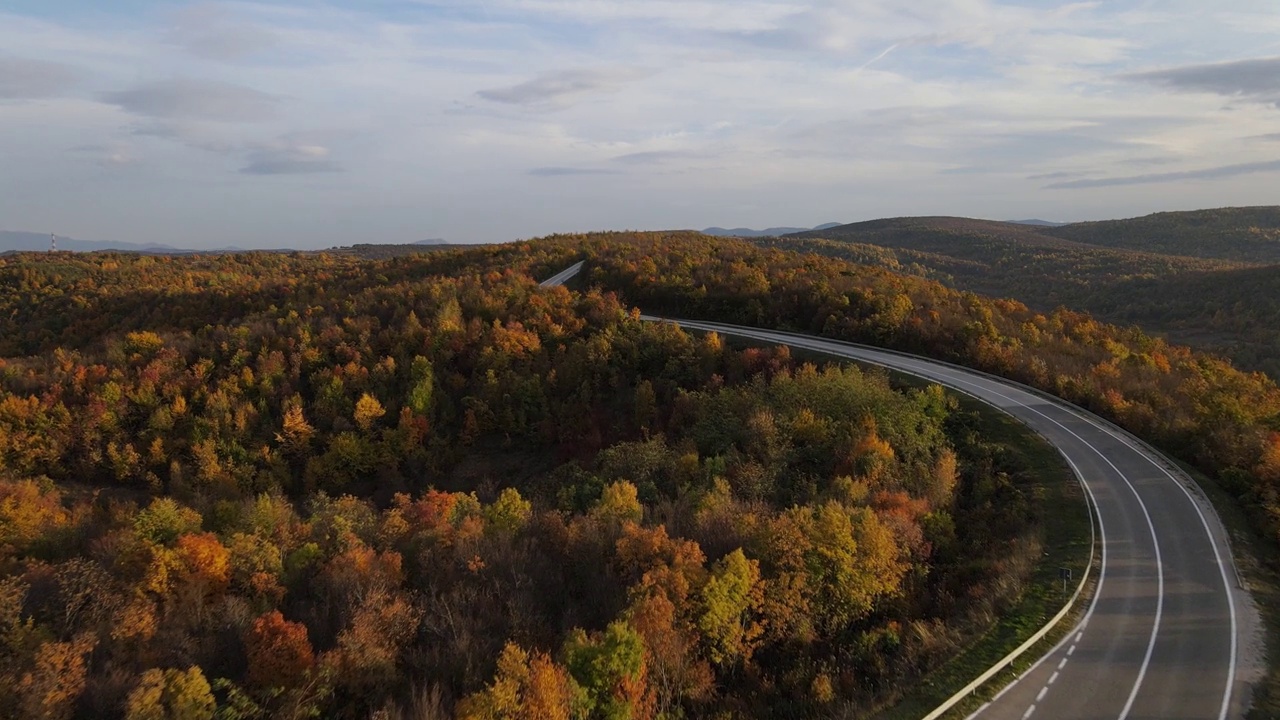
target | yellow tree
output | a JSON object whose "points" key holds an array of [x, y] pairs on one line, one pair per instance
{"points": [[296, 433], [526, 687], [730, 601], [368, 410], [171, 695]]}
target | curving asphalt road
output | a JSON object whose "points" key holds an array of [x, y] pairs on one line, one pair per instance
{"points": [[1161, 637]]}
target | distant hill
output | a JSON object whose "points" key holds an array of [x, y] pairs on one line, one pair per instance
{"points": [[1250, 234], [1199, 277], [1236, 312], [767, 232], [432, 241], [39, 242], [1033, 221]]}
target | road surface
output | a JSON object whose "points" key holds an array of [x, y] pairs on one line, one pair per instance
{"points": [[563, 276], [1160, 639]]}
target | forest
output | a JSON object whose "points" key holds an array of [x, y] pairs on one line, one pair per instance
{"points": [[420, 486], [269, 485]]}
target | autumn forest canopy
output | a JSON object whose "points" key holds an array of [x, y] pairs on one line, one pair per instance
{"points": [[298, 485]]}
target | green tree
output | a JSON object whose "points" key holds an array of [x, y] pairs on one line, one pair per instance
{"points": [[422, 392], [509, 513], [610, 667], [164, 521]]}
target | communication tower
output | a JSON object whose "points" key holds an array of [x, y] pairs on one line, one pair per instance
{"points": [[53, 243]]}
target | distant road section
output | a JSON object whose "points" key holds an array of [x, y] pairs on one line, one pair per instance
{"points": [[1160, 638], [563, 276]]}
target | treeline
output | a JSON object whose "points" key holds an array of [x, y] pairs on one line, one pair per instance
{"points": [[296, 486], [1192, 277]]}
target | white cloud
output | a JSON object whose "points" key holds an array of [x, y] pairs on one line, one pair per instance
{"points": [[190, 98], [558, 89], [25, 78], [211, 30]]}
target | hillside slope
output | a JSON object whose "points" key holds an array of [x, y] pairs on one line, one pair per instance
{"points": [[1250, 234], [1214, 303]]}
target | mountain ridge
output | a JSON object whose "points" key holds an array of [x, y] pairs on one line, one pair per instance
{"points": [[767, 232]]}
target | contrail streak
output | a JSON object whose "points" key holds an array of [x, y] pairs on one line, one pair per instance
{"points": [[878, 58]]}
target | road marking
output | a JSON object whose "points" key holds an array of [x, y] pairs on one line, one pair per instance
{"points": [[1027, 714], [1079, 635], [1053, 678], [1061, 664], [1072, 651], [1040, 695]]}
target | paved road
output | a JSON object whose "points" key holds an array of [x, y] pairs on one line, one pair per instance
{"points": [[563, 276], [1159, 639]]}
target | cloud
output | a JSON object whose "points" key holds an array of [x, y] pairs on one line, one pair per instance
{"points": [[1060, 175], [290, 160], [1147, 161], [1257, 79], [108, 156], [196, 100], [1214, 173], [1273, 137], [568, 171], [209, 31], [24, 78], [656, 157], [557, 88]]}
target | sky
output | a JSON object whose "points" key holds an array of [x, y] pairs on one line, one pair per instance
{"points": [[292, 123]]}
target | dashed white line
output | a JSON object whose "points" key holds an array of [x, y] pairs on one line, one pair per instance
{"points": [[1071, 650], [1027, 714], [1043, 691], [1062, 664]]}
